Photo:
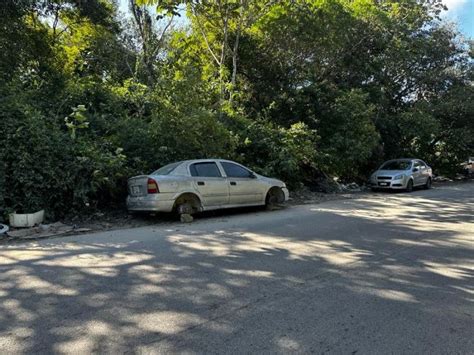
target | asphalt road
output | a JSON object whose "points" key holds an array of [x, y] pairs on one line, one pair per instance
{"points": [[384, 273]]}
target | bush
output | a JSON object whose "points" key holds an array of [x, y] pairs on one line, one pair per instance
{"points": [[33, 153], [348, 134], [287, 153], [44, 167]]}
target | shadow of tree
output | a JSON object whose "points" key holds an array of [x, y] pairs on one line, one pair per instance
{"points": [[369, 275]]}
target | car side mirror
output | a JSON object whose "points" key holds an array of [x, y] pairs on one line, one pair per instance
{"points": [[415, 170], [253, 176]]}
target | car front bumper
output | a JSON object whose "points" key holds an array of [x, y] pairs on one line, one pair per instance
{"points": [[400, 184]]}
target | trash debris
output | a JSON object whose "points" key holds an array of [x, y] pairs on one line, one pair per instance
{"points": [[352, 187], [45, 231], [440, 178], [3, 228], [25, 220]]}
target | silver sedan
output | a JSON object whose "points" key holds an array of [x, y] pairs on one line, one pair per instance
{"points": [[402, 174], [192, 186]]}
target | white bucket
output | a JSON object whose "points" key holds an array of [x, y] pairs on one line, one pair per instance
{"points": [[26, 220]]}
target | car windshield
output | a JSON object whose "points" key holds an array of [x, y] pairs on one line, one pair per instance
{"points": [[396, 165], [166, 170]]}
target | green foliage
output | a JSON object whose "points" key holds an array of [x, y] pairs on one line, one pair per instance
{"points": [[348, 133], [76, 120], [287, 153], [32, 153], [45, 167]]}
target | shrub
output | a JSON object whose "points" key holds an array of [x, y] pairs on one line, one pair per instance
{"points": [[287, 153], [44, 166]]}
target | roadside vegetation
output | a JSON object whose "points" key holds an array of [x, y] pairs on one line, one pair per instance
{"points": [[301, 90]]}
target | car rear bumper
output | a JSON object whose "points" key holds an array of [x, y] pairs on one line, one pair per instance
{"points": [[286, 192], [154, 203]]}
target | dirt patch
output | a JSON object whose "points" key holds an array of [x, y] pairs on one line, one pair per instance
{"points": [[305, 196], [118, 219], [105, 220]]}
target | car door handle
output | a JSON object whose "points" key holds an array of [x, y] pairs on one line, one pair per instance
{"points": [[201, 183], [233, 183]]}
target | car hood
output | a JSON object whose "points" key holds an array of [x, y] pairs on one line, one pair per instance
{"points": [[272, 181], [390, 172]]}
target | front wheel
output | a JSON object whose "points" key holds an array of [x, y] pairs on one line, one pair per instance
{"points": [[428, 184], [275, 197], [409, 186]]}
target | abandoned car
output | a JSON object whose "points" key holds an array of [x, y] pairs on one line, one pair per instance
{"points": [[192, 186]]}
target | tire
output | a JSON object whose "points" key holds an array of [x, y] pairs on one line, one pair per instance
{"points": [[275, 197], [374, 189], [409, 186], [428, 184]]}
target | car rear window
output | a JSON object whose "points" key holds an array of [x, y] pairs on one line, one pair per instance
{"points": [[396, 165], [167, 169], [205, 170]]}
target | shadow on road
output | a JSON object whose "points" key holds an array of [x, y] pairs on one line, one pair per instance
{"points": [[318, 283]]}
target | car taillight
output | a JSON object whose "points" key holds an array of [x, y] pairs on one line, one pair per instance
{"points": [[152, 186]]}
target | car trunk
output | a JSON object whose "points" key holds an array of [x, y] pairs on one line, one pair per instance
{"points": [[138, 185]]}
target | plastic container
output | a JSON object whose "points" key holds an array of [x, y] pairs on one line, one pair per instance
{"points": [[26, 220]]}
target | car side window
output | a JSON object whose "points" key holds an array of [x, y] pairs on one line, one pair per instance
{"points": [[236, 171], [418, 165], [205, 170]]}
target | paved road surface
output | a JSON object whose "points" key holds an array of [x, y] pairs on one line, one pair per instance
{"points": [[386, 273]]}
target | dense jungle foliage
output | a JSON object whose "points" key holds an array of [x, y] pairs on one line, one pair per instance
{"points": [[299, 89]]}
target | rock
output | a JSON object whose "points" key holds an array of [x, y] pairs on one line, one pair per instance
{"points": [[186, 218]]}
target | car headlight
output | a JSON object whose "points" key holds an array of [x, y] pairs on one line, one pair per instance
{"points": [[399, 177]]}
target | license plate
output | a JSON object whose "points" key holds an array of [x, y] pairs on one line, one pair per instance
{"points": [[383, 183], [136, 190]]}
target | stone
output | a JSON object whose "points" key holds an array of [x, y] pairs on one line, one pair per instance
{"points": [[186, 218]]}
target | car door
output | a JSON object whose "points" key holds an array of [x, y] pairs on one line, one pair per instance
{"points": [[417, 173], [244, 187], [209, 182], [425, 172]]}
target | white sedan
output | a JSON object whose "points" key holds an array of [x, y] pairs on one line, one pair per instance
{"points": [[192, 186]]}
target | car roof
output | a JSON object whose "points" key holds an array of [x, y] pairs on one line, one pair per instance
{"points": [[405, 159], [207, 160]]}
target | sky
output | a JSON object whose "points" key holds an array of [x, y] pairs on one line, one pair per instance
{"points": [[459, 11], [462, 12]]}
